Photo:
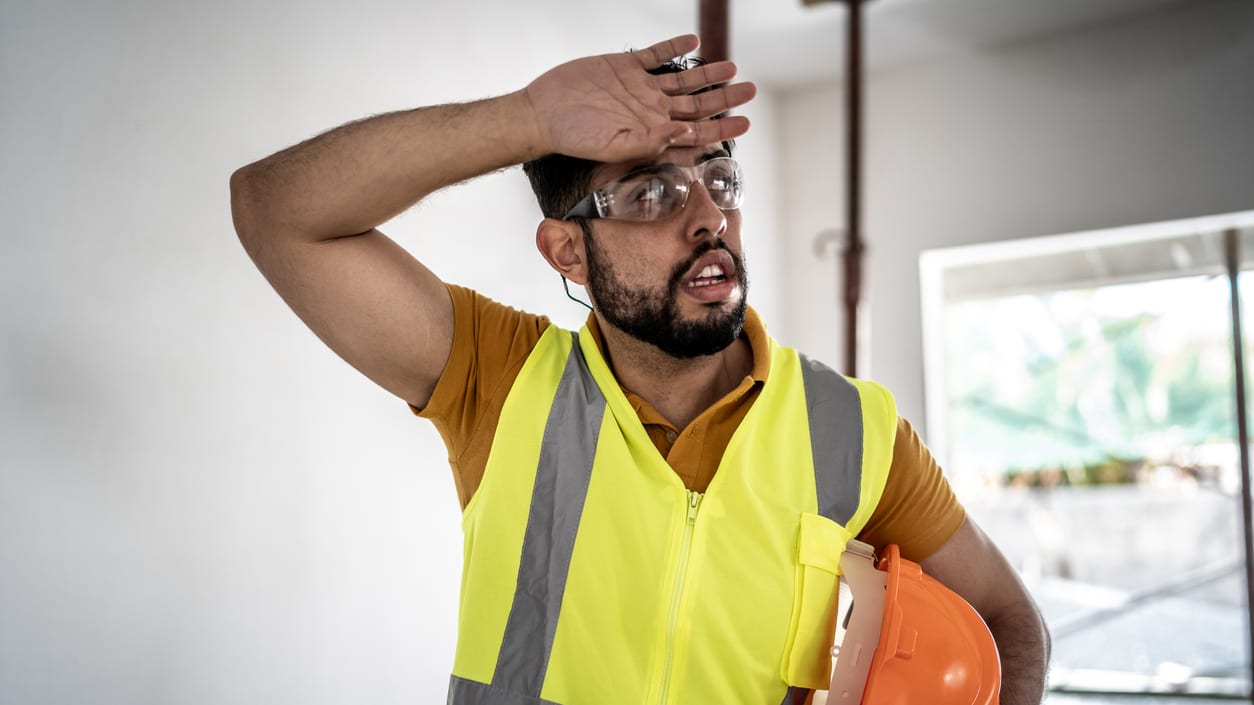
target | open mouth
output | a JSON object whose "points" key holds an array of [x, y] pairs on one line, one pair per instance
{"points": [[710, 274], [712, 278]]}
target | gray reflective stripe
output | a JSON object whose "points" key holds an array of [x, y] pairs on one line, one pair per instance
{"points": [[835, 414], [565, 467], [795, 696], [464, 692]]}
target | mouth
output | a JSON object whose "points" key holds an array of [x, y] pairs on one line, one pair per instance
{"points": [[712, 277], [711, 274]]}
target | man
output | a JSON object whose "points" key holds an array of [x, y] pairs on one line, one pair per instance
{"points": [[652, 507]]}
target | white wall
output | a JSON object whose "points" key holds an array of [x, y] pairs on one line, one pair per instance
{"points": [[198, 502], [1144, 120]]}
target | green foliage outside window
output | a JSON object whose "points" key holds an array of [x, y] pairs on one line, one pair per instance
{"points": [[1091, 387]]}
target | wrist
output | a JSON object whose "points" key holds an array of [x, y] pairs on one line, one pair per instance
{"points": [[521, 111]]}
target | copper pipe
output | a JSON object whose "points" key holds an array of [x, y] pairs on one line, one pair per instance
{"points": [[712, 28]]}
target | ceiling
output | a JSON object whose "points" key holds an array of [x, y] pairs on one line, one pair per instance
{"points": [[784, 43]]}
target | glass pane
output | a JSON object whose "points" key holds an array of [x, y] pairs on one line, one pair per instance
{"points": [[1091, 432]]}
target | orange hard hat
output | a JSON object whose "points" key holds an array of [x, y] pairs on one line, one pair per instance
{"points": [[929, 645]]}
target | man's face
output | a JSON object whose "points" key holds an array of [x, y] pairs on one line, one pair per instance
{"points": [[678, 283]]}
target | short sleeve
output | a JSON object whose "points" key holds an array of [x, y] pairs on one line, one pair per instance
{"points": [[918, 510], [491, 341]]}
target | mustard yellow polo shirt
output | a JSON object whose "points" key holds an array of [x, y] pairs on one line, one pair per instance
{"points": [[918, 510]]}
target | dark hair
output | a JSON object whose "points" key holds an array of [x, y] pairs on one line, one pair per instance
{"points": [[560, 181]]}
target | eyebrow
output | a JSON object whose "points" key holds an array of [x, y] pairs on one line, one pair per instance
{"points": [[713, 154], [650, 167], [704, 157]]}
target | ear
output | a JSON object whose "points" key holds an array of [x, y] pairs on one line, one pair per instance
{"points": [[561, 243]]}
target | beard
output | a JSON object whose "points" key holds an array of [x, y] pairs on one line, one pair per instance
{"points": [[652, 315]]}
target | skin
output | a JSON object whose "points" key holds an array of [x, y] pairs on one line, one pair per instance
{"points": [[646, 253], [972, 566], [309, 216]]}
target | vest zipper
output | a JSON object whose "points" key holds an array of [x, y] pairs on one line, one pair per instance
{"points": [[681, 570]]}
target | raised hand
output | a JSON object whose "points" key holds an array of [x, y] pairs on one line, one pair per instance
{"points": [[608, 108]]}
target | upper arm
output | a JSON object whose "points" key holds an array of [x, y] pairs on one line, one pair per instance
{"points": [[376, 306], [917, 510], [972, 566]]}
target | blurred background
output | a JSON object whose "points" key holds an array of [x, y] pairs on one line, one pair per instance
{"points": [[201, 504]]}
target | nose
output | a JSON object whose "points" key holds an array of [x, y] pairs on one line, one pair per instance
{"points": [[702, 216]]}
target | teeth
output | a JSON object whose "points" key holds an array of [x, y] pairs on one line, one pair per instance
{"points": [[712, 274]]}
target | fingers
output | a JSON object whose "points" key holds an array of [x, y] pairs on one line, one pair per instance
{"points": [[706, 132], [711, 131], [679, 86], [696, 78], [658, 54], [719, 100]]}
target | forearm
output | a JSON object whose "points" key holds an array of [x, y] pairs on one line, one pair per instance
{"points": [[970, 565], [1023, 644], [357, 176]]}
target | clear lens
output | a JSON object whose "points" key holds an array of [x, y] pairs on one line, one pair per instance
{"points": [[658, 191], [723, 179], [647, 195]]}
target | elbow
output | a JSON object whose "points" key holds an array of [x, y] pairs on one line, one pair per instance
{"points": [[245, 211], [240, 200]]}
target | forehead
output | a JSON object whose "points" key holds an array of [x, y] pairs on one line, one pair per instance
{"points": [[681, 156]]}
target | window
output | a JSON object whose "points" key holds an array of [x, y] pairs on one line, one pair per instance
{"points": [[1081, 394]]}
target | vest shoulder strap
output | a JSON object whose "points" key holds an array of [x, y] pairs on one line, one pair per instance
{"points": [[852, 429]]}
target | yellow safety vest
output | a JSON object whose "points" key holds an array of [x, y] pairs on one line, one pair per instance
{"points": [[592, 576]]}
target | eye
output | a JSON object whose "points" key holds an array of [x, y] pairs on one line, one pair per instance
{"points": [[722, 178], [649, 190], [720, 175], [646, 196]]}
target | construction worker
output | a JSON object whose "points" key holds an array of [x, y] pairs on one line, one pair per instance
{"points": [[654, 507]]}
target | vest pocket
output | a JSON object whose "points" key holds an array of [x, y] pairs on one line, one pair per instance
{"points": [[808, 653]]}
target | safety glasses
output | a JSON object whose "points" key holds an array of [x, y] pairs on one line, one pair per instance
{"points": [[659, 191]]}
